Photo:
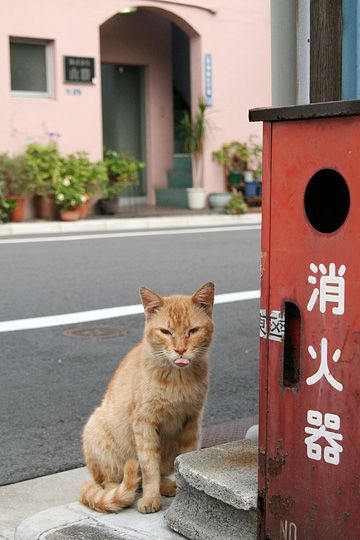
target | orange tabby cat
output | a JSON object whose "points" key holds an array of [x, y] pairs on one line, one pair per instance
{"points": [[153, 405]]}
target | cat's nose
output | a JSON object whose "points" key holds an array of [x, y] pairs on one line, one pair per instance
{"points": [[180, 350]]}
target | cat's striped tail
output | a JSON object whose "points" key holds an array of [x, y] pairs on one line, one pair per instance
{"points": [[112, 499]]}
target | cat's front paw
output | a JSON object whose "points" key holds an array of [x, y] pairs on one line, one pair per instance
{"points": [[147, 505]]}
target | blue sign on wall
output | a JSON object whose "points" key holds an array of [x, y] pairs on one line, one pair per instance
{"points": [[208, 80]]}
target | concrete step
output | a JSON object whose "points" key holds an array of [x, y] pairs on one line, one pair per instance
{"points": [[182, 161], [216, 494], [179, 178], [175, 197]]}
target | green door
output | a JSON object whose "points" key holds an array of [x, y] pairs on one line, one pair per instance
{"points": [[124, 114]]}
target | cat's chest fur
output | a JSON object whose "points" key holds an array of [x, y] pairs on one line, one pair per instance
{"points": [[172, 401]]}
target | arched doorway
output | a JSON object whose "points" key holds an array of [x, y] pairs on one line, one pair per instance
{"points": [[147, 60]]}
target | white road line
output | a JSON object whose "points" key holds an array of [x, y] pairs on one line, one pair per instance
{"points": [[132, 234], [102, 314]]}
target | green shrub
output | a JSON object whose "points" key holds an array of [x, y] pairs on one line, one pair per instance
{"points": [[6, 205], [44, 165], [14, 174], [255, 157], [122, 171], [237, 205], [233, 156], [69, 193], [90, 176]]}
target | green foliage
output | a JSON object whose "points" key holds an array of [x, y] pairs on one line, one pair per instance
{"points": [[237, 204], [193, 129], [69, 193], [122, 172], [44, 172], [6, 205], [239, 157], [255, 157], [85, 174], [44, 164], [14, 174], [233, 156]]}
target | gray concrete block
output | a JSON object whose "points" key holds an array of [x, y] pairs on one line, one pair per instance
{"points": [[217, 493]]}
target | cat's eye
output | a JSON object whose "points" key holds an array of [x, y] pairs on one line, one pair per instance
{"points": [[165, 331], [194, 330]]}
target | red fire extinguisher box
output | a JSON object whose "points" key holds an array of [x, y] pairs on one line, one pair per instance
{"points": [[309, 438]]}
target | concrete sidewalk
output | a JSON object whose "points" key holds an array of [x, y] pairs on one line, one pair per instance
{"points": [[58, 517], [36, 507], [129, 223], [43, 507]]}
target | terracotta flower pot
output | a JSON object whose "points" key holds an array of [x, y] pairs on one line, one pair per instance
{"points": [[45, 207], [70, 215], [84, 208], [17, 214]]}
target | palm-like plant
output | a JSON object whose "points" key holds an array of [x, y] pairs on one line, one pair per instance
{"points": [[194, 130]]}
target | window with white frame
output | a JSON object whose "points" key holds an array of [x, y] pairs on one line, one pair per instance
{"points": [[31, 68]]}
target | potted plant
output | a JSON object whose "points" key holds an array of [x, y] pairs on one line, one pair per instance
{"points": [[96, 180], [122, 171], [14, 176], [236, 205], [44, 164], [87, 175], [69, 194], [233, 157], [194, 131], [6, 206], [220, 200], [255, 163]]}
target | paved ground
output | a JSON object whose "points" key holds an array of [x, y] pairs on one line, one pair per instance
{"points": [[40, 432], [61, 372], [23, 499]]}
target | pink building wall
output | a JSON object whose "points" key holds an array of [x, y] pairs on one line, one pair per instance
{"points": [[237, 36], [75, 118]]}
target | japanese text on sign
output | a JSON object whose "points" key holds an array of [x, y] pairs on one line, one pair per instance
{"points": [[79, 69], [329, 288], [208, 80]]}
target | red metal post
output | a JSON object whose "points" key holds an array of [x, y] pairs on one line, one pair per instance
{"points": [[309, 441]]}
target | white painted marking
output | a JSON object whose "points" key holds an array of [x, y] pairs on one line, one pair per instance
{"points": [[102, 236], [102, 314]]}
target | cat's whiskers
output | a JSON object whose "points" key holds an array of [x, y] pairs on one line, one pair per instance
{"points": [[201, 351], [158, 352]]}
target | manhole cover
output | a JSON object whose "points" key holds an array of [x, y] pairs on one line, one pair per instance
{"points": [[99, 332]]}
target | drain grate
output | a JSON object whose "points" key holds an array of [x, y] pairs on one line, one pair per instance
{"points": [[97, 332]]}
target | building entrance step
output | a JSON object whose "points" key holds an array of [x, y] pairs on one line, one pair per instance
{"points": [[216, 494]]}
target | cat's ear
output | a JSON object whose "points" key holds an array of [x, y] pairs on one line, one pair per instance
{"points": [[204, 297], [151, 301]]}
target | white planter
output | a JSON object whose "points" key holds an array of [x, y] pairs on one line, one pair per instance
{"points": [[196, 198], [248, 176], [219, 200]]}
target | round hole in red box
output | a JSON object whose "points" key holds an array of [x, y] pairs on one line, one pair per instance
{"points": [[327, 200]]}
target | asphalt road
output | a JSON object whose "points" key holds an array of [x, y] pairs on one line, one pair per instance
{"points": [[52, 378]]}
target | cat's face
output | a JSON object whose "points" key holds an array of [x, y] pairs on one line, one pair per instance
{"points": [[179, 329]]}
